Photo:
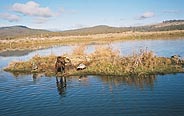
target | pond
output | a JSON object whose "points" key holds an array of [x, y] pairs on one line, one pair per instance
{"points": [[28, 95]]}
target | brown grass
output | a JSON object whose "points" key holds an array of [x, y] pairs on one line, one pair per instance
{"points": [[43, 42], [104, 61], [79, 50]]}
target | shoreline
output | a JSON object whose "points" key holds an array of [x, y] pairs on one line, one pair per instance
{"points": [[41, 43]]}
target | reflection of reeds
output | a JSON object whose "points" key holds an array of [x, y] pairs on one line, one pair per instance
{"points": [[137, 81], [104, 61]]}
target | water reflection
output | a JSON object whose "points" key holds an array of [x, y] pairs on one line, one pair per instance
{"points": [[141, 82], [36, 76], [83, 79], [15, 53], [61, 84], [20, 74]]}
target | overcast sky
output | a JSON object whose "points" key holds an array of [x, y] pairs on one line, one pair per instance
{"points": [[72, 14]]}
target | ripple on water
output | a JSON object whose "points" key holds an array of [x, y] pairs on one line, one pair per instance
{"points": [[96, 95]]}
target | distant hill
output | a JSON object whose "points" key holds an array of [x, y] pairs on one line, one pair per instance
{"points": [[95, 30], [23, 31], [164, 26], [19, 31]]}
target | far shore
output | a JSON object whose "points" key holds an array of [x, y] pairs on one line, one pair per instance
{"points": [[30, 43]]}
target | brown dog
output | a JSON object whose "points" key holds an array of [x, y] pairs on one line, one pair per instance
{"points": [[60, 64]]}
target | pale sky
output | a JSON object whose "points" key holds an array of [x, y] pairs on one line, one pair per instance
{"points": [[72, 14]]}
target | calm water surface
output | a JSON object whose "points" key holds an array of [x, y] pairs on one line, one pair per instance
{"points": [[28, 95]]}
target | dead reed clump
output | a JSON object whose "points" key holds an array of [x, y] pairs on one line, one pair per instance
{"points": [[105, 53], [104, 61], [19, 66], [79, 50], [43, 64]]}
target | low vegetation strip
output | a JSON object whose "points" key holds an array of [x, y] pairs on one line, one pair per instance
{"points": [[41, 41], [103, 61]]}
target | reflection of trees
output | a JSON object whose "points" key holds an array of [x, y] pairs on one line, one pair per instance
{"points": [[137, 81], [61, 84]]}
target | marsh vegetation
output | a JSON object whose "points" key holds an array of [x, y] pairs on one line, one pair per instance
{"points": [[103, 61], [32, 43]]}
